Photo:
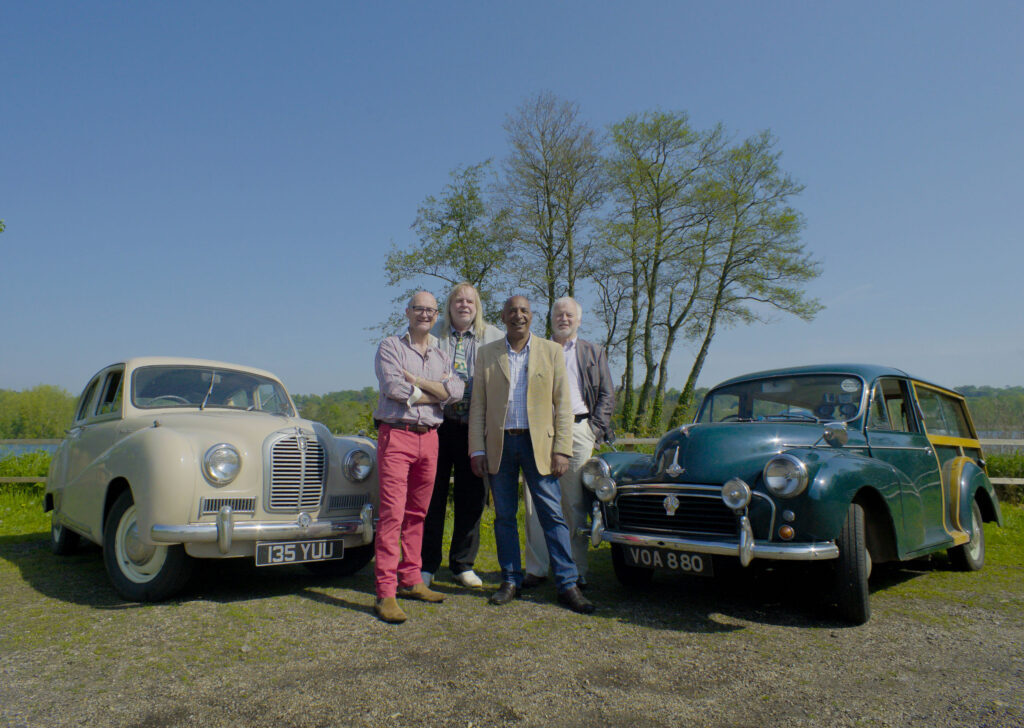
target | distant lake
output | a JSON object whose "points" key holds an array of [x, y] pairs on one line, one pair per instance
{"points": [[6, 450]]}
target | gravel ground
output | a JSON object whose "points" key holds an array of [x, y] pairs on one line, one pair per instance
{"points": [[278, 647]]}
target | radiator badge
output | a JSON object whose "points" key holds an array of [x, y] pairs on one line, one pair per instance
{"points": [[671, 503]]}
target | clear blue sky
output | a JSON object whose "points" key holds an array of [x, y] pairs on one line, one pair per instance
{"points": [[224, 179]]}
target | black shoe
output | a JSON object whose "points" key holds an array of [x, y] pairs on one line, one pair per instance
{"points": [[532, 580], [505, 594], [574, 599], [582, 585]]}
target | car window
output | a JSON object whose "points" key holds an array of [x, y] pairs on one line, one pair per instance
{"points": [[878, 418], [110, 397], [83, 404], [889, 409], [955, 416], [931, 409], [192, 386], [797, 398]]}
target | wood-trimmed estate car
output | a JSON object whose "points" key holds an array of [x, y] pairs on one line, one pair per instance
{"points": [[851, 464], [170, 459]]}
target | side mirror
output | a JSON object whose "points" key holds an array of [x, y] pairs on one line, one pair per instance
{"points": [[836, 434]]}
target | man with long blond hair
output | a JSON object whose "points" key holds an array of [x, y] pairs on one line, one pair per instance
{"points": [[460, 331]]}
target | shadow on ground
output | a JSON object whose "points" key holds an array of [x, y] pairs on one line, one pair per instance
{"points": [[779, 594]]}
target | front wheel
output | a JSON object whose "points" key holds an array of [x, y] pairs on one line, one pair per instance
{"points": [[355, 558], [138, 571], [852, 568], [627, 574], [971, 555]]}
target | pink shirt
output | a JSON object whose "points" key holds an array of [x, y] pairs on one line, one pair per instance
{"points": [[397, 402]]}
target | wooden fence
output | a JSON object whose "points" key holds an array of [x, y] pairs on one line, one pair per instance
{"points": [[623, 443]]}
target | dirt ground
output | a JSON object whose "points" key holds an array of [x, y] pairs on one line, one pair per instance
{"points": [[279, 647]]}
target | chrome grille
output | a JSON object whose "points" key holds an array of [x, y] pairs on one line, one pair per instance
{"points": [[695, 515], [296, 473], [211, 506], [347, 502]]}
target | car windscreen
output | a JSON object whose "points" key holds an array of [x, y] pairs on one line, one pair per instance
{"points": [[189, 386], [799, 398]]}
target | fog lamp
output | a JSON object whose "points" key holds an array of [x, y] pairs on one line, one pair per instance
{"points": [[736, 494]]}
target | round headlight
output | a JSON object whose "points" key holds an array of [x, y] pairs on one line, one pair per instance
{"points": [[785, 475], [735, 494], [358, 465], [593, 472], [221, 464]]}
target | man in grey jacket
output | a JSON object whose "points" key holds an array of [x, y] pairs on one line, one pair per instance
{"points": [[593, 401]]}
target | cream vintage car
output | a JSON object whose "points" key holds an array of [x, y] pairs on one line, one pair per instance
{"points": [[171, 459]]}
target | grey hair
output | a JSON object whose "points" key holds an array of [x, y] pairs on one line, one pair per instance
{"points": [[565, 300]]}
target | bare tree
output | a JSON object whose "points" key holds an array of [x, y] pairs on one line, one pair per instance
{"points": [[552, 183]]}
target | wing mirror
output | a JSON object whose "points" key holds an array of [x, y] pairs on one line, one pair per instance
{"points": [[836, 434]]}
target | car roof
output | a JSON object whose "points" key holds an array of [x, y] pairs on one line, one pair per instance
{"points": [[146, 361], [868, 372]]}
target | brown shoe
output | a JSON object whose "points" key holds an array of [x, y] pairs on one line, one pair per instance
{"points": [[574, 599], [420, 591], [389, 611]]}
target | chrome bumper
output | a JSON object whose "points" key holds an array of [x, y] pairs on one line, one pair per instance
{"points": [[745, 548], [224, 530]]}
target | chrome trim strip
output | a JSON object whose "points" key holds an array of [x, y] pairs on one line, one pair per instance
{"points": [[815, 551], [897, 447]]}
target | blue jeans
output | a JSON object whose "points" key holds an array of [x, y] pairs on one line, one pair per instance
{"points": [[517, 453]]}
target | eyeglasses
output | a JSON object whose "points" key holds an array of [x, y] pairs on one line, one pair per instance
{"points": [[425, 310]]}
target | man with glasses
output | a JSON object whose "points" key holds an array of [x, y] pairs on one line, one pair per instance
{"points": [[416, 381]]}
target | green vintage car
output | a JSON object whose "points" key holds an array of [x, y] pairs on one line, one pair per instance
{"points": [[851, 464]]}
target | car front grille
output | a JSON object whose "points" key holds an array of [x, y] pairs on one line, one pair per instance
{"points": [[211, 506], [347, 502], [297, 469], [693, 515]]}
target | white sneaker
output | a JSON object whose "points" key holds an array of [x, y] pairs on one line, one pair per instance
{"points": [[427, 577], [469, 578]]}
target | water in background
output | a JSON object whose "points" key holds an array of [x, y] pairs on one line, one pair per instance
{"points": [[6, 450]]}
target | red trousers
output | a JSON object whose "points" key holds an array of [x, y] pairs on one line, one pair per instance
{"points": [[406, 464]]}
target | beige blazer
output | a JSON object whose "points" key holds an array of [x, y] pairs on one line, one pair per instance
{"points": [[548, 403]]}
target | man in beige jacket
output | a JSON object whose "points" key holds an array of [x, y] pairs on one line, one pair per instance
{"points": [[520, 419]]}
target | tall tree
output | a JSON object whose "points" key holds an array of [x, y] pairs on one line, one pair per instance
{"points": [[463, 236], [657, 166], [552, 183], [759, 263]]}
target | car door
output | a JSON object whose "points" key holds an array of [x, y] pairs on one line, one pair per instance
{"points": [[955, 443], [94, 432], [896, 436]]}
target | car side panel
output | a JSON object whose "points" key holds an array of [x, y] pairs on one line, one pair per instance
{"points": [[837, 482], [162, 470]]}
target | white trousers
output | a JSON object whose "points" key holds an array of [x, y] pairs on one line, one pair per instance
{"points": [[574, 508]]}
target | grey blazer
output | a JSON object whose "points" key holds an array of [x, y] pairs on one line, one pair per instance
{"points": [[598, 390]]}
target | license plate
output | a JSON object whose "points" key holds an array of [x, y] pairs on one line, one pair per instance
{"points": [[666, 559], [272, 553]]}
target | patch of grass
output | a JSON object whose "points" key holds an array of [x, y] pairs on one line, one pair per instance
{"points": [[21, 513]]}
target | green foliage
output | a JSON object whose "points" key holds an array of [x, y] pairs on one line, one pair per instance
{"points": [[996, 409], [25, 465], [1005, 466], [344, 413], [43, 412], [463, 236]]}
